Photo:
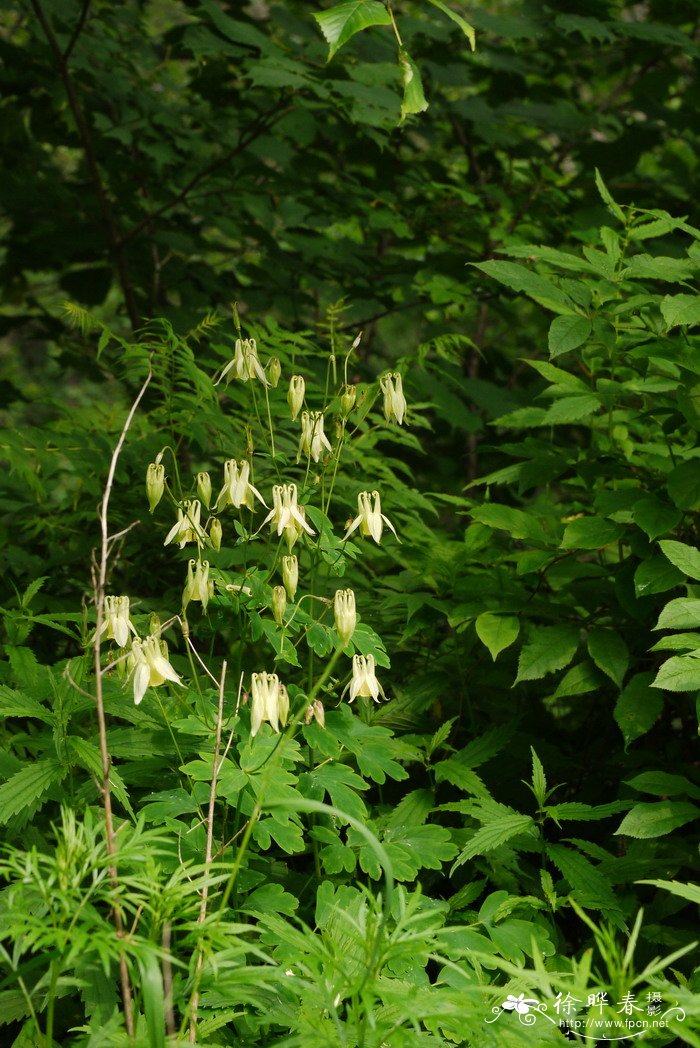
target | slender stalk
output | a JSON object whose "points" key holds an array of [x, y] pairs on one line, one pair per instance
{"points": [[194, 1003], [100, 583]]}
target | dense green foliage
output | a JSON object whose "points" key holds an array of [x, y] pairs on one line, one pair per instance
{"points": [[485, 786]]}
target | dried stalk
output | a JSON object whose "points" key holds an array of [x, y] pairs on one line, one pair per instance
{"points": [[99, 588], [208, 853]]}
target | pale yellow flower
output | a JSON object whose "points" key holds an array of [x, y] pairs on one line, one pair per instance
{"points": [[270, 702], [148, 662], [198, 587], [345, 614], [279, 603], [286, 514], [187, 527], [204, 488], [155, 484], [295, 395], [364, 679], [116, 624], [370, 519], [290, 574], [237, 490], [313, 439], [245, 364], [394, 400]]}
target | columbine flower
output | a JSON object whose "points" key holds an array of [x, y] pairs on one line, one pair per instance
{"points": [[394, 400], [315, 712], [313, 440], [286, 515], [197, 586], [520, 1004], [274, 370], [148, 662], [215, 533], [347, 399], [364, 679], [116, 623], [204, 488], [155, 484], [290, 574], [370, 519], [270, 702], [279, 603], [237, 490], [295, 396], [345, 616], [245, 363], [187, 527]]}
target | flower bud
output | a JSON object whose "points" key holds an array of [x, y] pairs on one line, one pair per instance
{"points": [[279, 603], [295, 396], [155, 484], [274, 371], [204, 488], [215, 533], [154, 625], [347, 400], [394, 400], [315, 712], [290, 574], [345, 616]]}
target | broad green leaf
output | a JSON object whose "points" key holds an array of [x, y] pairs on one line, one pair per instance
{"points": [[638, 707], [576, 811], [590, 887], [497, 632], [520, 278], [579, 680], [590, 533], [452, 770], [153, 994], [684, 485], [27, 787], [679, 673], [685, 558], [567, 410], [429, 846], [678, 642], [680, 614], [659, 267], [609, 652], [492, 835], [657, 818], [516, 522], [681, 310], [467, 29], [664, 784], [566, 333], [413, 809], [414, 100], [16, 704], [341, 784], [655, 517], [552, 648], [656, 575], [338, 24]]}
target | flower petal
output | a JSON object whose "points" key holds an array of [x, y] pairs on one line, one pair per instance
{"points": [[142, 676]]}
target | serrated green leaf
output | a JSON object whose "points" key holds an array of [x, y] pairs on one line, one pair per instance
{"points": [[497, 632], [657, 818], [609, 652], [414, 100], [691, 892], [656, 575], [680, 310], [655, 517], [567, 410], [552, 648], [516, 522], [607, 198], [28, 786], [577, 811], [567, 333], [685, 558], [590, 887], [664, 784], [493, 835], [679, 614], [338, 24], [520, 278], [466, 28], [590, 533], [679, 673], [638, 707]]}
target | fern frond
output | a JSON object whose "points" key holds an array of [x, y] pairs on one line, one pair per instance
{"points": [[80, 318]]}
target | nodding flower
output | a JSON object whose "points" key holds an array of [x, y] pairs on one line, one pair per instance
{"points": [[370, 519], [155, 484], [313, 439], [394, 401], [198, 586], [279, 604], [148, 662], [270, 702], [116, 623], [204, 488], [345, 615], [286, 515], [237, 490], [295, 395], [364, 679], [290, 574], [245, 364], [187, 527]]}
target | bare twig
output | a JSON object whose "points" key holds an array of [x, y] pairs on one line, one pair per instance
{"points": [[100, 580], [78, 29], [208, 853]]}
